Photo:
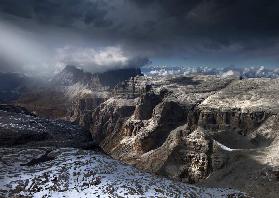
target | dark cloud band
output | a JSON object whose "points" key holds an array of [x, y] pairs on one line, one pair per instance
{"points": [[163, 27]]}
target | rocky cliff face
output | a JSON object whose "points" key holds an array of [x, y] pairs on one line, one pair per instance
{"points": [[52, 158], [192, 128], [154, 124], [157, 119]]}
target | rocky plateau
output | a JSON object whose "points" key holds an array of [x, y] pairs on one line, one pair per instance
{"points": [[204, 130], [209, 131]]}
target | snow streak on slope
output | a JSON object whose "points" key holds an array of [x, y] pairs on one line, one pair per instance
{"points": [[79, 173]]}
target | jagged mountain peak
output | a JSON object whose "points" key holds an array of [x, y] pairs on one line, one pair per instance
{"points": [[71, 75]]}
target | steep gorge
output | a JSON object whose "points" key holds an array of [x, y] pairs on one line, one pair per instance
{"points": [[188, 129]]}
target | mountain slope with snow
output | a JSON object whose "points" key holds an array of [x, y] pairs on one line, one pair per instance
{"points": [[78, 173]]}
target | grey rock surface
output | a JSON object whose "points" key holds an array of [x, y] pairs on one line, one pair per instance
{"points": [[198, 129], [18, 127], [194, 128]]}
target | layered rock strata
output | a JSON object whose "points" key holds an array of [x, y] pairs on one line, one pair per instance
{"points": [[191, 128]]}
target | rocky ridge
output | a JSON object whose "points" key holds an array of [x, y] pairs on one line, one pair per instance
{"points": [[196, 129], [20, 128], [67, 87], [71, 75], [54, 158]]}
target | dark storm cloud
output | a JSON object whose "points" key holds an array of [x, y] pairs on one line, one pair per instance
{"points": [[227, 19], [221, 21], [192, 29], [62, 12]]}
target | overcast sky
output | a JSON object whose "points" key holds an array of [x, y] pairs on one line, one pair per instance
{"points": [[45, 35]]}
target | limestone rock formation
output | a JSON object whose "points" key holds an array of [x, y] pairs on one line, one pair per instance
{"points": [[169, 126], [192, 128]]}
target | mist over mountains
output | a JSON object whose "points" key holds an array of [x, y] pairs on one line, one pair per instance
{"points": [[42, 37], [39, 50]]}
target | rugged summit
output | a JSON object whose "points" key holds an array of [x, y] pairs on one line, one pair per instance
{"points": [[71, 75], [197, 129], [71, 85]]}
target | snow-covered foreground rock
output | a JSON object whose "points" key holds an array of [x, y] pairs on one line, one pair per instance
{"points": [[67, 172]]}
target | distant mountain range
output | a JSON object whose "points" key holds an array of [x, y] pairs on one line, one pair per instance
{"points": [[243, 72]]}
